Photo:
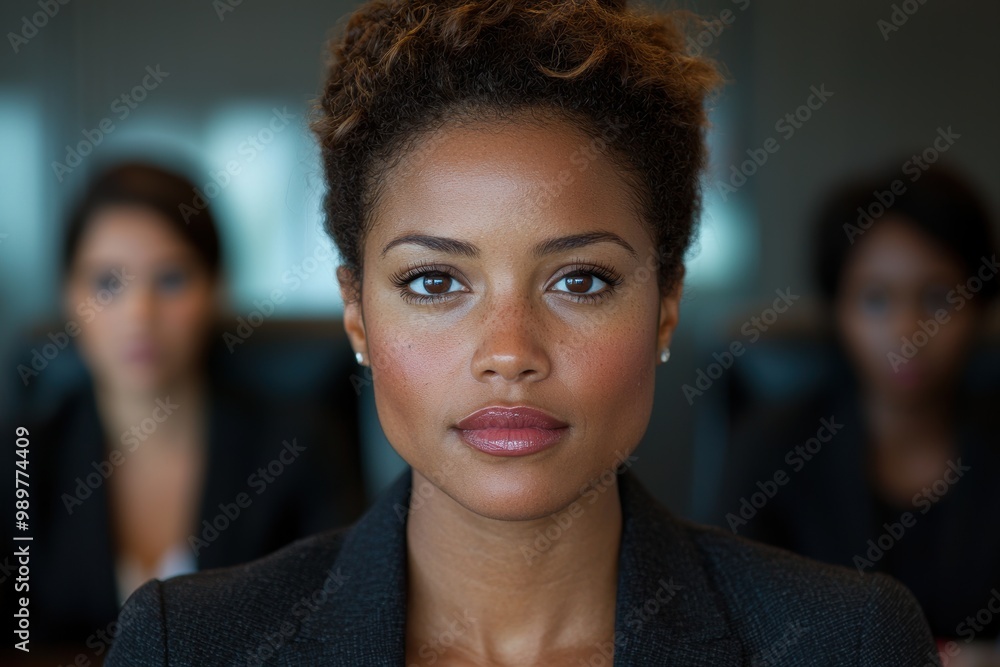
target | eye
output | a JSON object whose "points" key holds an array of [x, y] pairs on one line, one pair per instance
{"points": [[173, 280], [426, 284], [581, 283], [588, 283], [107, 281], [874, 301], [935, 298], [434, 284]]}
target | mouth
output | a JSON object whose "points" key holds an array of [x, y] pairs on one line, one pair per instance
{"points": [[907, 375], [141, 353], [511, 431]]}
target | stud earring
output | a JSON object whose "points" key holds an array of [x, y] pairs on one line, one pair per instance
{"points": [[665, 355], [360, 357]]}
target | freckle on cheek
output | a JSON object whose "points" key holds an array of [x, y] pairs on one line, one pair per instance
{"points": [[617, 364]]}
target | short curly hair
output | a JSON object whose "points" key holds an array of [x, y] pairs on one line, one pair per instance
{"points": [[404, 68]]}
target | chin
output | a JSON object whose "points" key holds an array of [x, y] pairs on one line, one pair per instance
{"points": [[141, 381], [518, 492]]}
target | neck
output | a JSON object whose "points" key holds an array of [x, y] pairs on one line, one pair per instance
{"points": [[910, 422], [168, 414], [507, 591]]}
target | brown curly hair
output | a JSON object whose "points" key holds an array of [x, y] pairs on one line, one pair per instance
{"points": [[404, 68]]}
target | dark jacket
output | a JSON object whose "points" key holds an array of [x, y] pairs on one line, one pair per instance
{"points": [[944, 546], [688, 595], [295, 477]]}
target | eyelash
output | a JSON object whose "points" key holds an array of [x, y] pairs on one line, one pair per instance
{"points": [[607, 274]]}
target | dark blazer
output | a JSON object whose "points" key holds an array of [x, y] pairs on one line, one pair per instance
{"points": [[688, 595], [828, 509], [74, 599]]}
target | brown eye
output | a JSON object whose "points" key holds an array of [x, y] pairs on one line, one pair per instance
{"points": [[583, 284], [436, 284], [579, 284], [433, 283]]}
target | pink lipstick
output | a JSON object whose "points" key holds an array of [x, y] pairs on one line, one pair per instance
{"points": [[511, 431]]}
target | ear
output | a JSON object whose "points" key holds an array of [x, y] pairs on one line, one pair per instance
{"points": [[670, 304], [354, 322]]}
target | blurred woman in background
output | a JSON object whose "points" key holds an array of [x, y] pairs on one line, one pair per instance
{"points": [[904, 482], [153, 467]]}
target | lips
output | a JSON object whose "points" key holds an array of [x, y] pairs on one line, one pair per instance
{"points": [[908, 375], [141, 353], [516, 418], [514, 431]]}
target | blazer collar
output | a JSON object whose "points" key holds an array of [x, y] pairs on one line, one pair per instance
{"points": [[667, 612]]}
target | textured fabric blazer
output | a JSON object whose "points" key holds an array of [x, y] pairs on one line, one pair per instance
{"points": [[688, 595]]}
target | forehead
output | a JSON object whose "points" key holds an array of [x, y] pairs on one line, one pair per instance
{"points": [[131, 232], [895, 248], [509, 178]]}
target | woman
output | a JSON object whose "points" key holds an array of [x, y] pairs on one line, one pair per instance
{"points": [[132, 467], [910, 285], [512, 186]]}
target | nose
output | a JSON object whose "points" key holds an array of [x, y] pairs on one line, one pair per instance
{"points": [[512, 343], [137, 306], [903, 321]]}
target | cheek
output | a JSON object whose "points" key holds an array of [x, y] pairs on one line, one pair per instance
{"points": [[864, 338], [184, 320], [952, 339], [613, 382], [874, 340], [99, 334], [415, 373]]}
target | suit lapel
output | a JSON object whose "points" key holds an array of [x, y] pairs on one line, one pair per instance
{"points": [[365, 615], [666, 611]]}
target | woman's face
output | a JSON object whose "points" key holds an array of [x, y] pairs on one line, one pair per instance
{"points": [[142, 297], [905, 324], [507, 299]]}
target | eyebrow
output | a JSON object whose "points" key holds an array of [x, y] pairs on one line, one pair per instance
{"points": [[547, 247]]}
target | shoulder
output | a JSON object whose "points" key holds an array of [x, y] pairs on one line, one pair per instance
{"points": [[862, 618], [208, 613]]}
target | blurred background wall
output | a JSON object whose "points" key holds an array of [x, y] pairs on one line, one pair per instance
{"points": [[232, 87]]}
